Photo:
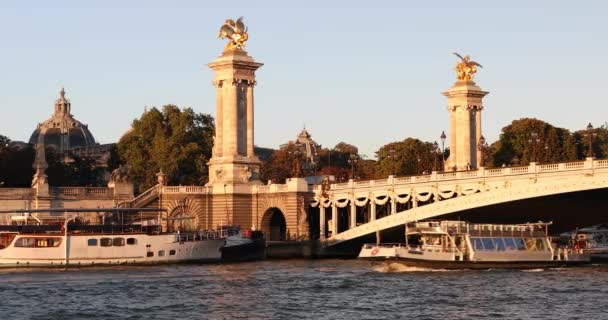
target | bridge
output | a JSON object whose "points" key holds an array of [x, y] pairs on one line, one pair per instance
{"points": [[407, 199]]}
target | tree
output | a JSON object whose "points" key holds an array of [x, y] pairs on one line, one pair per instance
{"points": [[177, 141], [282, 165], [408, 157], [527, 140], [15, 165], [599, 142]]}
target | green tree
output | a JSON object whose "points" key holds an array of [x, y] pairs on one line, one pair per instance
{"points": [[408, 157], [177, 141], [599, 141], [4, 141], [527, 140]]}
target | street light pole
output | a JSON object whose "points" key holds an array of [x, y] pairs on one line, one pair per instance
{"points": [[392, 157], [443, 137], [534, 140], [590, 134], [435, 155], [352, 160], [481, 146]]}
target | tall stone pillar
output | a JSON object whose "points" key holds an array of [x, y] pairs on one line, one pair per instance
{"points": [[465, 106], [233, 160], [322, 223]]}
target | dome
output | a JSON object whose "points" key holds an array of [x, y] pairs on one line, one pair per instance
{"points": [[62, 131]]}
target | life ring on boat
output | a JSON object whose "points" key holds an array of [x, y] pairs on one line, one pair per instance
{"points": [[375, 251]]}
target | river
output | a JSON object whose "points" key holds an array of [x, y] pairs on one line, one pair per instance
{"points": [[302, 289]]}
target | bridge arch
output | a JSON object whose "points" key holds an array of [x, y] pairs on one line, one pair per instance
{"points": [[274, 224]]}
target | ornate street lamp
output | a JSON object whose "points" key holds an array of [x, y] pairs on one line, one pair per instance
{"points": [[392, 155], [534, 140], [443, 137], [435, 155], [482, 146], [352, 160], [590, 134]]}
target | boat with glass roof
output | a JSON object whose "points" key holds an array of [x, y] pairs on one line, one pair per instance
{"points": [[463, 245]]}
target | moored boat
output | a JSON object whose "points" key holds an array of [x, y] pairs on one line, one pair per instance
{"points": [[462, 245], [243, 245], [84, 244], [591, 240]]}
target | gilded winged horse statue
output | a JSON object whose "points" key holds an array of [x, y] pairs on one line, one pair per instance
{"points": [[466, 68], [235, 32]]}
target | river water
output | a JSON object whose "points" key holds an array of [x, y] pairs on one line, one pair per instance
{"points": [[302, 289]]}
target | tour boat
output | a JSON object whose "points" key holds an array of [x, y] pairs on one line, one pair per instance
{"points": [[462, 245], [106, 244], [592, 240]]}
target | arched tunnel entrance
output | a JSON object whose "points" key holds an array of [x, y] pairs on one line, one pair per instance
{"points": [[274, 225]]}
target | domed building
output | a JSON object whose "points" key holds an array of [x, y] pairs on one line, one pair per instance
{"points": [[68, 136], [62, 131], [307, 148]]}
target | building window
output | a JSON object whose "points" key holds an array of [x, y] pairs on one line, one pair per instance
{"points": [[105, 242], [92, 242], [161, 253], [118, 242], [131, 241], [171, 252], [150, 254]]}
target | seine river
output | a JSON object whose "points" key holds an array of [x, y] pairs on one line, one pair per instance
{"points": [[302, 289]]}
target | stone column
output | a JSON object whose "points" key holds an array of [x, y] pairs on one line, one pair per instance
{"points": [[322, 231], [353, 214], [233, 160], [218, 143], [372, 210], [334, 219], [250, 123], [465, 105], [393, 205], [478, 135]]}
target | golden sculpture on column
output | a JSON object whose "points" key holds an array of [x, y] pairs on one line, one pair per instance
{"points": [[466, 68], [236, 32]]}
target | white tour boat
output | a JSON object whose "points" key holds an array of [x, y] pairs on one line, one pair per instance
{"points": [[84, 245], [462, 245]]}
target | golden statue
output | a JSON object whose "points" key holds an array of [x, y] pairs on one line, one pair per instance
{"points": [[236, 32], [466, 68]]}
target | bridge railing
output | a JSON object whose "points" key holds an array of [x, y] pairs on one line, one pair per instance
{"points": [[533, 168]]}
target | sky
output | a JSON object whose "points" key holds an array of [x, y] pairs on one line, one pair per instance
{"points": [[364, 72]]}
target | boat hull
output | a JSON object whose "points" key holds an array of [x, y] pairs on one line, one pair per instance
{"points": [[480, 265]]}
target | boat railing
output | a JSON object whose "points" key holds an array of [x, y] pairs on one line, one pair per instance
{"points": [[199, 236]]}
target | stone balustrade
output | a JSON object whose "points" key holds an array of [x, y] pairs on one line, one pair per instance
{"points": [[533, 168]]}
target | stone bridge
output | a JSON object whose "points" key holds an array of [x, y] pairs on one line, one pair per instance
{"points": [[373, 206]]}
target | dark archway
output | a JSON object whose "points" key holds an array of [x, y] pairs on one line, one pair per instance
{"points": [[274, 225]]}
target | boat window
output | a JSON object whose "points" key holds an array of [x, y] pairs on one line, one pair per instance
{"points": [[150, 254], [161, 253], [105, 242], [171, 252], [37, 242], [510, 244], [499, 244], [118, 242], [519, 242], [92, 242], [477, 244], [488, 244], [131, 241]]}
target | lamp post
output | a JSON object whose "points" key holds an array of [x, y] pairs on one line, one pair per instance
{"points": [[352, 160], [435, 152], [534, 140], [590, 135], [392, 155], [482, 146], [443, 137]]}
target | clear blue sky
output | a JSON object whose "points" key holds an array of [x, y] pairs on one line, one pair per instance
{"points": [[364, 72]]}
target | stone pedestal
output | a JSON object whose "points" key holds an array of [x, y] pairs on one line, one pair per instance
{"points": [[465, 106], [233, 160]]}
